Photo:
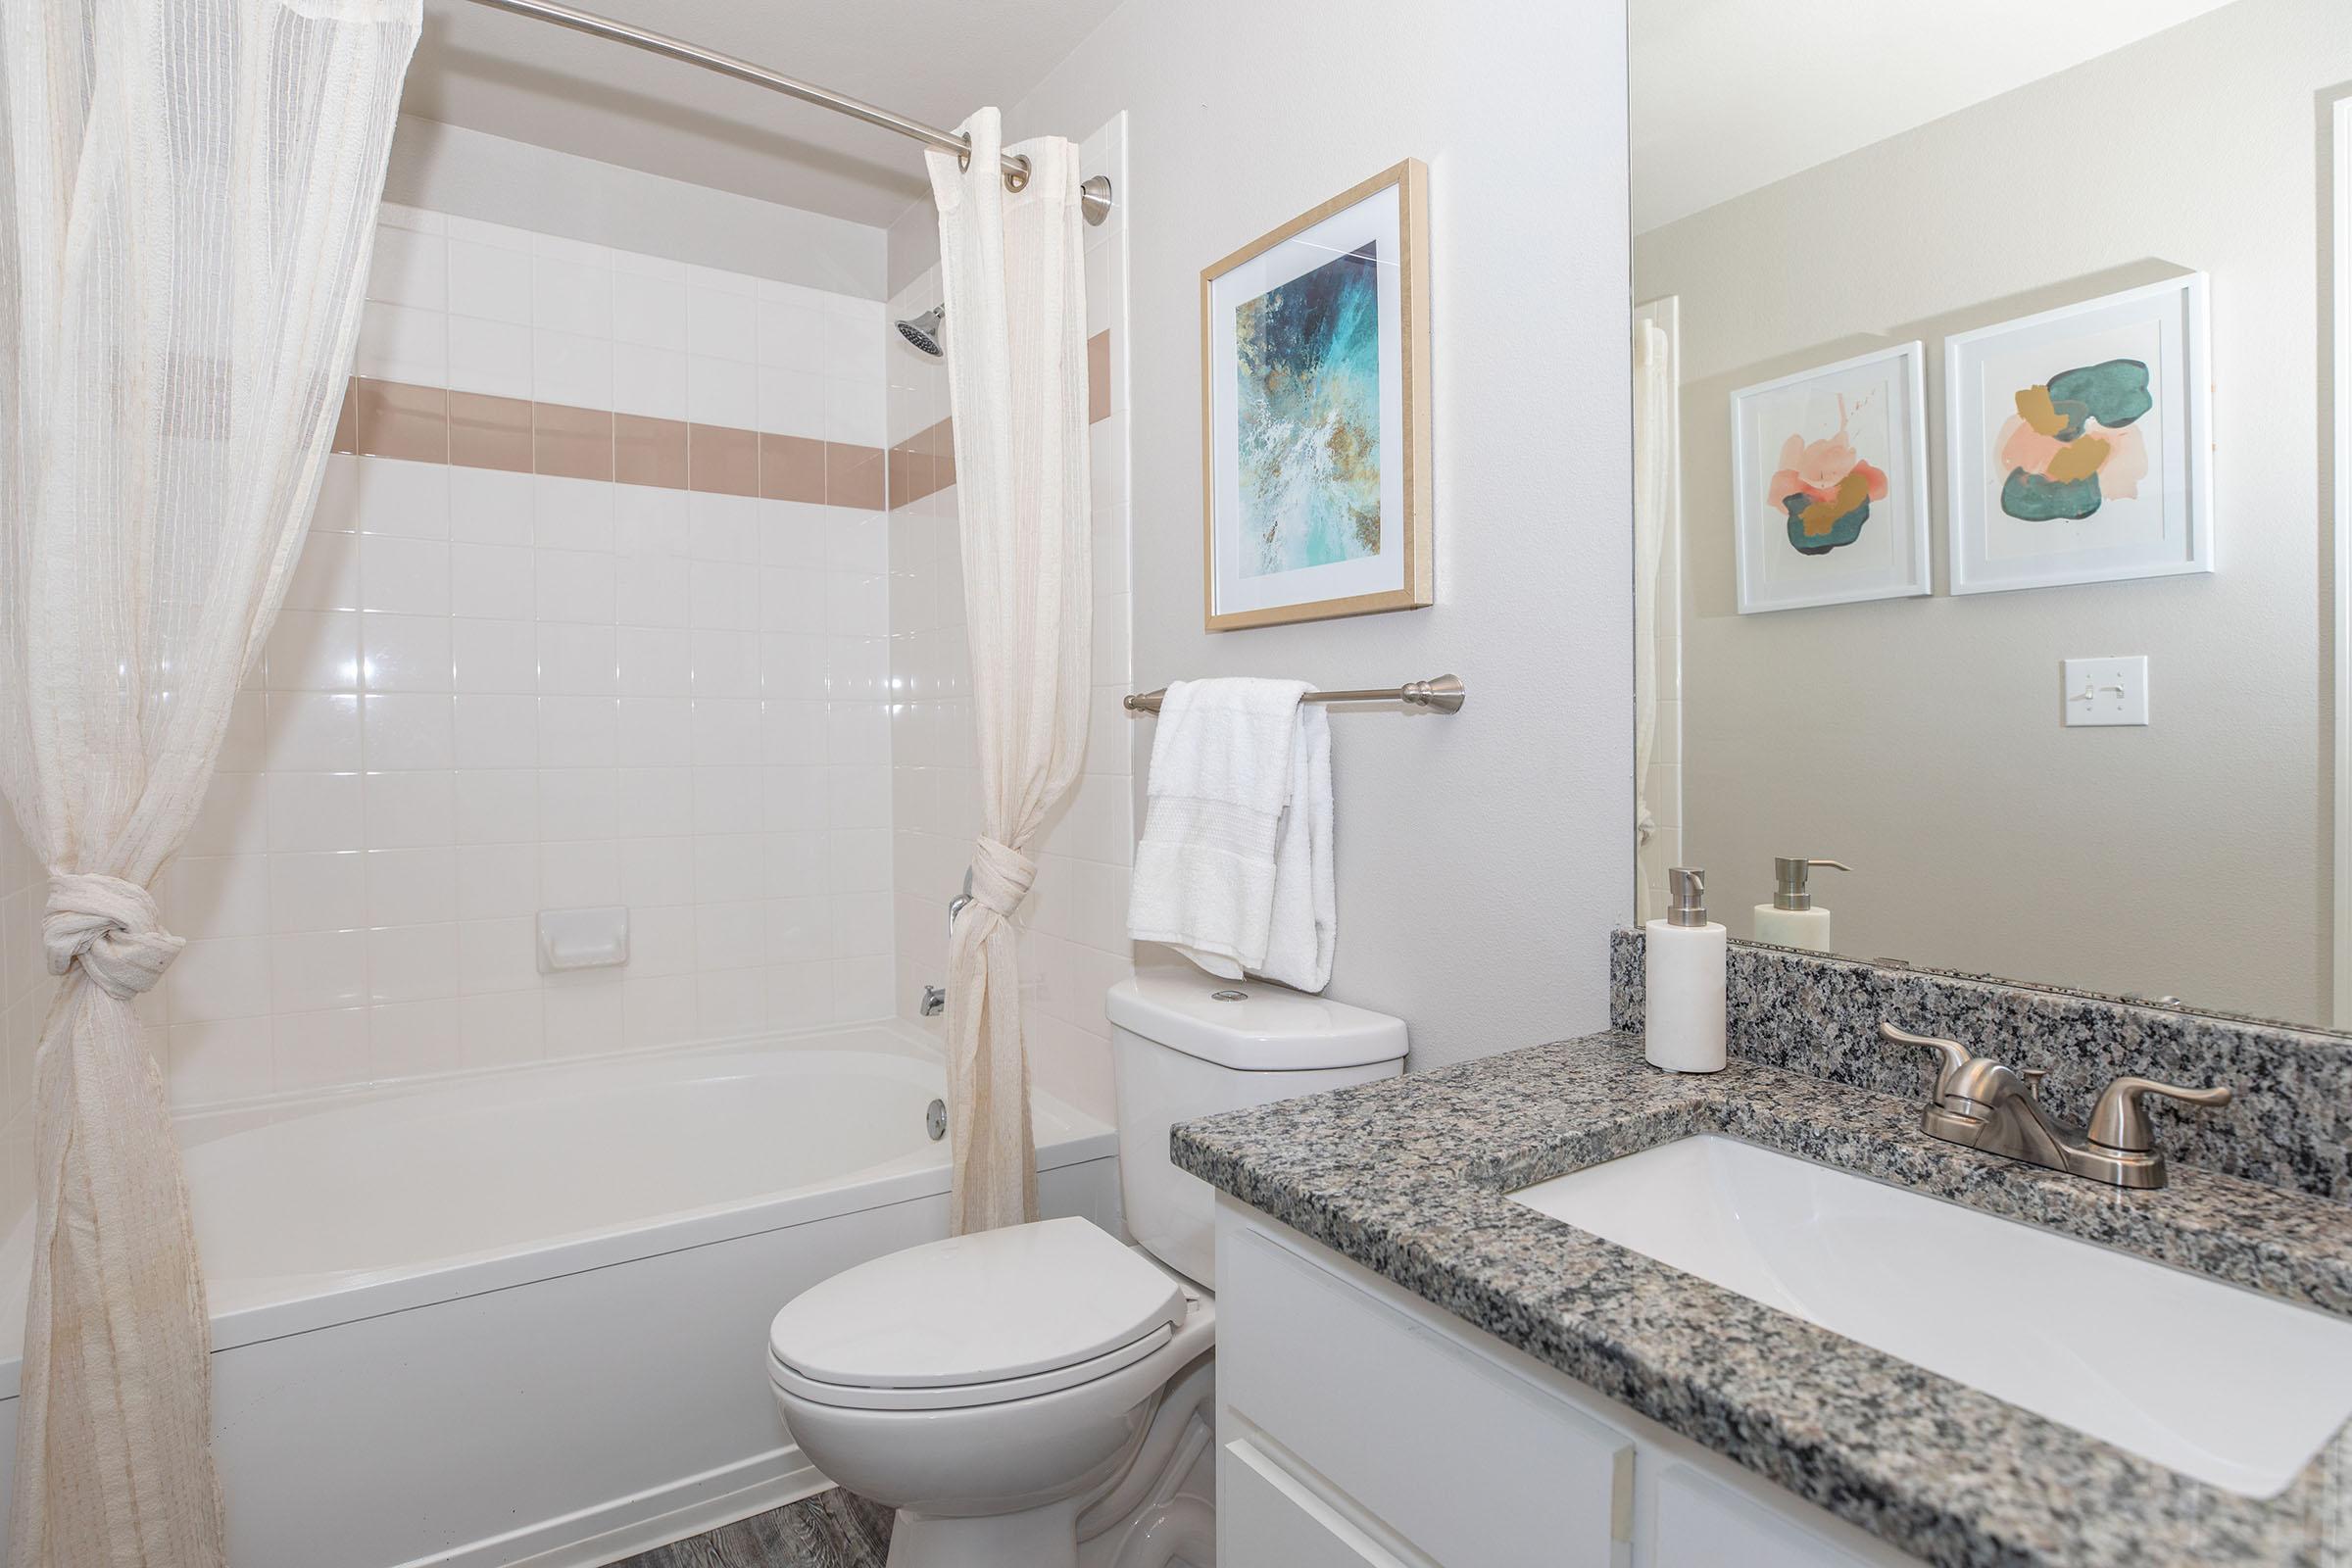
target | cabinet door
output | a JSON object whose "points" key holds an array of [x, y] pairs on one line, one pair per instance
{"points": [[1458, 1455], [1277, 1519], [1703, 1524]]}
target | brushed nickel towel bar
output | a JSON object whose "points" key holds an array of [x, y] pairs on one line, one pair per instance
{"points": [[1442, 694], [1094, 196]]}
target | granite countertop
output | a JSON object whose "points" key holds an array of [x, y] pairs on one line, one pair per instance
{"points": [[1406, 1176]]}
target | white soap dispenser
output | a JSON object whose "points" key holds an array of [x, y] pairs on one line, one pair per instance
{"points": [[1790, 920], [1683, 960]]}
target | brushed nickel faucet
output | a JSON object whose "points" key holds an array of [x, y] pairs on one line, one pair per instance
{"points": [[1996, 1108]]}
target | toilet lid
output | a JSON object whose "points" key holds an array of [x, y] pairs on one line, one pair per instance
{"points": [[983, 1308]]}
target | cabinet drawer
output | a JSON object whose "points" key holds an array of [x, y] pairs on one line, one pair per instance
{"points": [[1464, 1459], [1703, 1524], [1279, 1520]]}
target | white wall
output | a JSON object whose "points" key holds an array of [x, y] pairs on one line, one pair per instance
{"points": [[1713, 79], [469, 173], [1481, 857], [1920, 739]]}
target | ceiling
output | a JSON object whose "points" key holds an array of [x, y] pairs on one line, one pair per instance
{"points": [[934, 60], [1730, 95]]}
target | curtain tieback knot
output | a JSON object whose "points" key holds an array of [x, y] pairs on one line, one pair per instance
{"points": [[112, 928], [1000, 876]]}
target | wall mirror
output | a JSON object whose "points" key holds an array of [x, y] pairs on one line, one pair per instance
{"points": [[1994, 442]]}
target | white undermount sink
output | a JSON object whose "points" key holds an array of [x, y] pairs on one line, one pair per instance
{"points": [[2217, 1383]]}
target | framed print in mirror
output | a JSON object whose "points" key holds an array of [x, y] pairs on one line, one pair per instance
{"points": [[1830, 484], [2080, 445], [1314, 409]]}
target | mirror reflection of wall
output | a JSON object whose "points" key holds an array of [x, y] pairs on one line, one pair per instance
{"points": [[1833, 180]]}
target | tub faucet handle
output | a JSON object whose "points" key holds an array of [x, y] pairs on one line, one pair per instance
{"points": [[935, 1001]]}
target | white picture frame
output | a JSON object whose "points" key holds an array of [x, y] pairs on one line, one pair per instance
{"points": [[2029, 504], [1875, 405]]}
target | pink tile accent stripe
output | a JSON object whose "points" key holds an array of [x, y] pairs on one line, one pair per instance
{"points": [[430, 424]]}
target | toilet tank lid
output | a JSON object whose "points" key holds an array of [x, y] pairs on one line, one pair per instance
{"points": [[1266, 1028]]}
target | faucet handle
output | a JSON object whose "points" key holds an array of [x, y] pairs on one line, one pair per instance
{"points": [[2119, 1121], [1955, 1056]]}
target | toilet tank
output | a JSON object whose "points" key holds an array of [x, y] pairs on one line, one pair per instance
{"points": [[1185, 1044]]}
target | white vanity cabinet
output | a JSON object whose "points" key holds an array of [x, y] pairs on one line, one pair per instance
{"points": [[1359, 1427]]}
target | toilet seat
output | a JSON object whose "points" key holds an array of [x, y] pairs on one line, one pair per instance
{"points": [[975, 1320]]}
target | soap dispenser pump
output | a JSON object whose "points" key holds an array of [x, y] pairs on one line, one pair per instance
{"points": [[1790, 920], [1685, 958]]}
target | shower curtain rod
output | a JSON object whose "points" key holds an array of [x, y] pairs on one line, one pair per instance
{"points": [[1095, 194]]}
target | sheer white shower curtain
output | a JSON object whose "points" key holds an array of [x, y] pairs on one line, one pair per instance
{"points": [[186, 228], [1013, 267]]}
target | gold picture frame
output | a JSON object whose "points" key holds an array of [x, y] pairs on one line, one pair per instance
{"points": [[1297, 295]]}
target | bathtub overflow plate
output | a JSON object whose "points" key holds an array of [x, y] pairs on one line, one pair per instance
{"points": [[935, 1120]]}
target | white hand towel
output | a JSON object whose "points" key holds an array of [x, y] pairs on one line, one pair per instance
{"points": [[1234, 871]]}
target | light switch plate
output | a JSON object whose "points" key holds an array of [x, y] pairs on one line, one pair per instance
{"points": [[2106, 691]]}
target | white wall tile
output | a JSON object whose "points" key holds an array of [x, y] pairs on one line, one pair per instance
{"points": [[649, 311], [580, 732], [493, 693], [406, 652], [492, 357], [411, 962], [404, 576], [313, 969], [496, 881], [583, 1015], [649, 382], [410, 269], [722, 390], [571, 368], [723, 322], [402, 343], [316, 650], [322, 892], [572, 293], [575, 585], [316, 811], [409, 730], [410, 887], [313, 731], [492, 581], [319, 1049], [489, 283], [407, 500], [501, 1029]]}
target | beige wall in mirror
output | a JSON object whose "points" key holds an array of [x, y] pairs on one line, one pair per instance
{"points": [[1921, 740]]}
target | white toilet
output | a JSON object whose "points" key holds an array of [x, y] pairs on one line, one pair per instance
{"points": [[1039, 1396]]}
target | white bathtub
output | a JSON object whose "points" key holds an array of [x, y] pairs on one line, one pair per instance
{"points": [[521, 1318]]}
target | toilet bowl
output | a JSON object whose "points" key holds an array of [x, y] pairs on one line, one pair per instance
{"points": [[1041, 1396]]}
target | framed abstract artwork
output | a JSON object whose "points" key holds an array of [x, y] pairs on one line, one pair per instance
{"points": [[1830, 484], [2079, 443], [1314, 409]]}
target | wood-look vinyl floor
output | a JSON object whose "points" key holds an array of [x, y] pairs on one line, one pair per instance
{"points": [[831, 1530]]}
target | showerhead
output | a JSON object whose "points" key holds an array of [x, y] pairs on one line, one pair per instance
{"points": [[928, 331]]}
